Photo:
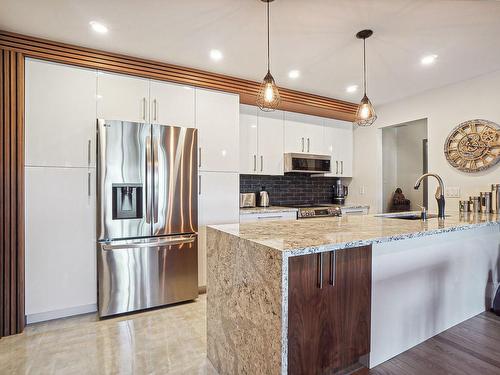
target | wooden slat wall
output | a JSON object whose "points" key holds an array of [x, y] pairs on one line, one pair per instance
{"points": [[292, 100], [11, 193]]}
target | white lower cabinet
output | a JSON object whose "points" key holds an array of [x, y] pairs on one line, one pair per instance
{"points": [[218, 203], [60, 242]]}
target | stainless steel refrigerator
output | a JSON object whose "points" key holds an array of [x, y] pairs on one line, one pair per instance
{"points": [[147, 210]]}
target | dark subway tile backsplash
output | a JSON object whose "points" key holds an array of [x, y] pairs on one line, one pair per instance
{"points": [[290, 189]]}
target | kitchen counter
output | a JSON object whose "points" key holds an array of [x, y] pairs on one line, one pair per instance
{"points": [[265, 210], [413, 279], [325, 234]]}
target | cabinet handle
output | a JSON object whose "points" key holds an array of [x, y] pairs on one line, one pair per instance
{"points": [[144, 109], [89, 174], [341, 167], [199, 157], [261, 163], [333, 266], [337, 163], [89, 146], [308, 145], [155, 109], [320, 270], [199, 185], [255, 163], [270, 217], [302, 144]]}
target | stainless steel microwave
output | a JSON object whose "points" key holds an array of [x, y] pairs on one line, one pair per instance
{"points": [[307, 163]]}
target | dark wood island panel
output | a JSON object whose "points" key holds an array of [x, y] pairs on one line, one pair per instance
{"points": [[329, 308]]}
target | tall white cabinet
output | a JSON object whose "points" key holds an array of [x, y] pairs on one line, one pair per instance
{"points": [[261, 141], [217, 119], [60, 197]]}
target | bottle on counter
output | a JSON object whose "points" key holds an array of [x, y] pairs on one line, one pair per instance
{"points": [[495, 198]]}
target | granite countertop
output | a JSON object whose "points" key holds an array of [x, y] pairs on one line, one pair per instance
{"points": [[264, 210], [325, 234]]}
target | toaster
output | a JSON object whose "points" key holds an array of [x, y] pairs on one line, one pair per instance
{"points": [[247, 200]]}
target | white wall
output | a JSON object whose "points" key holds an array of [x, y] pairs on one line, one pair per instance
{"points": [[444, 109]]}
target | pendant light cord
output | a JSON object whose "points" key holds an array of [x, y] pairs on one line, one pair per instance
{"points": [[268, 53], [364, 63]]}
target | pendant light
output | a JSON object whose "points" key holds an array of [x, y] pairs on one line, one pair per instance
{"points": [[268, 97], [365, 115]]}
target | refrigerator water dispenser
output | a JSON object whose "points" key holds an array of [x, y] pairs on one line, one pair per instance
{"points": [[127, 201]]}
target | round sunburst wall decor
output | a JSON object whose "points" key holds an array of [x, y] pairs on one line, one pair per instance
{"points": [[473, 146]]}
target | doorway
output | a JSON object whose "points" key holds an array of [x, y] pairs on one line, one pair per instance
{"points": [[404, 160]]}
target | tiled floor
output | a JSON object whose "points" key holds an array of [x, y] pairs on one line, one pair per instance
{"points": [[173, 341], [163, 341]]}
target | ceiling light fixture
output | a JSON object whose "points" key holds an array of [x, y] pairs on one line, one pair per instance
{"points": [[216, 55], [268, 97], [429, 59], [294, 74], [351, 88], [98, 27], [365, 115]]}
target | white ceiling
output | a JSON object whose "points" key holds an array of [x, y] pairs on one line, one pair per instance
{"points": [[314, 36]]}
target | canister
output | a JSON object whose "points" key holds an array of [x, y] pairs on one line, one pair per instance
{"points": [[464, 206], [476, 204], [486, 202], [495, 198]]}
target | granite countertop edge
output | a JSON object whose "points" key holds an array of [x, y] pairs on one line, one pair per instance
{"points": [[398, 237]]}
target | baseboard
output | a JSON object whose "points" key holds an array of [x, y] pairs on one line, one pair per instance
{"points": [[63, 313]]}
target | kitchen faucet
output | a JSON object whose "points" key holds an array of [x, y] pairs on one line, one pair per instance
{"points": [[439, 192]]}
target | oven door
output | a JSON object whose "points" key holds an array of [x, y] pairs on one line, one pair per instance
{"points": [[307, 163], [139, 274]]}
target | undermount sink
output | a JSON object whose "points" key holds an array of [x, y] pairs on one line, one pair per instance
{"points": [[408, 216]]}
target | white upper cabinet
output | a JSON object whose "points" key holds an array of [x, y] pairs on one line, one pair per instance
{"points": [[121, 97], [172, 104], [339, 138], [60, 115], [304, 133], [270, 145], [248, 139], [261, 141], [217, 118]]}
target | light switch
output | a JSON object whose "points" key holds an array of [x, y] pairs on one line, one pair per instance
{"points": [[452, 192]]}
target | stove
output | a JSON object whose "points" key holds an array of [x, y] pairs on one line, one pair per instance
{"points": [[316, 210]]}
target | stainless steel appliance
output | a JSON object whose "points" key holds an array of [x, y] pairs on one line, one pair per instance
{"points": [[317, 210], [307, 163], [263, 197], [247, 200], [340, 192], [146, 216]]}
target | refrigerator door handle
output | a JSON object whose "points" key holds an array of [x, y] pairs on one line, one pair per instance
{"points": [[156, 180], [164, 242], [148, 180]]}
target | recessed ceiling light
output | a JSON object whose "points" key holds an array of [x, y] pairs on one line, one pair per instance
{"points": [[351, 88], [294, 74], [429, 59], [98, 27], [216, 55]]}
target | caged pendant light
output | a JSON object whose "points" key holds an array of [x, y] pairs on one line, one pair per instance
{"points": [[268, 97], [365, 115]]}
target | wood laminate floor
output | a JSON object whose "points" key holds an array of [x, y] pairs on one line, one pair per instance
{"points": [[173, 341]]}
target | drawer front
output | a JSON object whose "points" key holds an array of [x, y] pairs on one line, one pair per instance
{"points": [[268, 216]]}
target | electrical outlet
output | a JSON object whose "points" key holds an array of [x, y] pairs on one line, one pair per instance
{"points": [[452, 192]]}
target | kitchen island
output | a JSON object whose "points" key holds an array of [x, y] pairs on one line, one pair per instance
{"points": [[320, 295]]}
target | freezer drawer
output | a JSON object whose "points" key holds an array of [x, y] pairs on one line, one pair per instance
{"points": [[139, 274]]}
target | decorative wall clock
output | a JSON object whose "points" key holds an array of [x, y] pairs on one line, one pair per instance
{"points": [[473, 146]]}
